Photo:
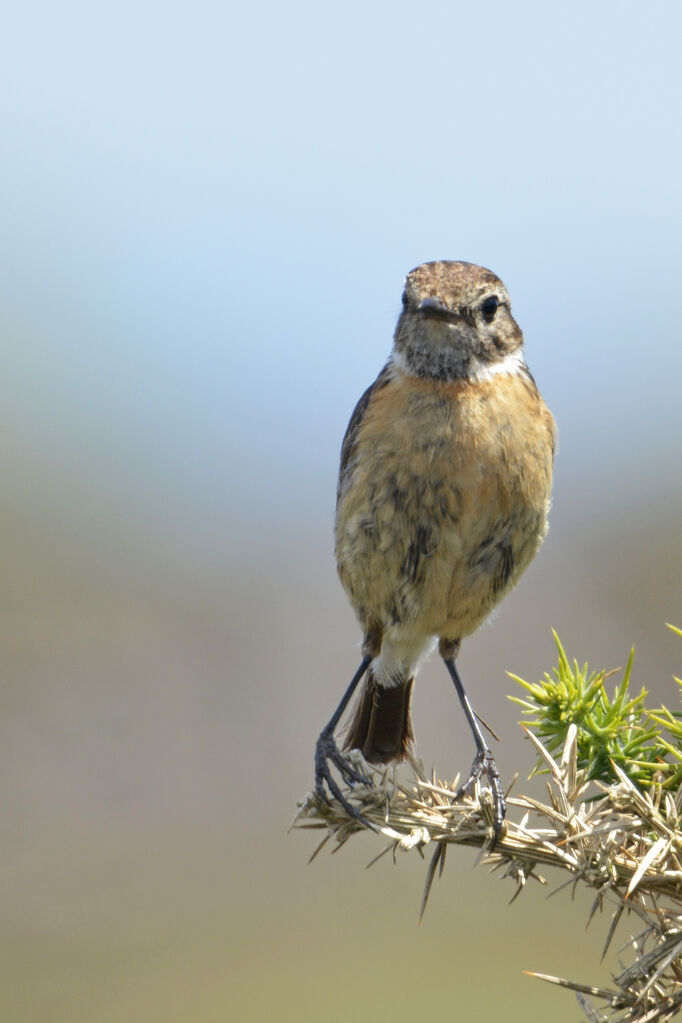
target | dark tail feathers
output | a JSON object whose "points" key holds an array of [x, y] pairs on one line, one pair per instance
{"points": [[381, 727]]}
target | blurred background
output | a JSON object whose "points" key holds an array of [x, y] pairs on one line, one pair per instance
{"points": [[207, 214]]}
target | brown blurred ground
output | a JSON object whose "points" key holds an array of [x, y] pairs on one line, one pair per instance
{"points": [[158, 724]]}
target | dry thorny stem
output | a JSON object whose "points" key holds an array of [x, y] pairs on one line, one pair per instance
{"points": [[623, 843]]}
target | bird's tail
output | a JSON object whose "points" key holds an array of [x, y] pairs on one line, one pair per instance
{"points": [[381, 728]]}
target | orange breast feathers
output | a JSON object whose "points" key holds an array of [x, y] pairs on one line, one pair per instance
{"points": [[494, 428], [443, 478]]}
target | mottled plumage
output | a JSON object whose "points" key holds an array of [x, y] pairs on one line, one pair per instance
{"points": [[440, 506]]}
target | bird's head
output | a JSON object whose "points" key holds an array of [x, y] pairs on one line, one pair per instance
{"points": [[456, 323]]}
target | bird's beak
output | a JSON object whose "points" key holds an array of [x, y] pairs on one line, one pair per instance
{"points": [[433, 306]]}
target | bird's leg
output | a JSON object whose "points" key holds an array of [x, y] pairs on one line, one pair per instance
{"points": [[484, 762], [326, 751]]}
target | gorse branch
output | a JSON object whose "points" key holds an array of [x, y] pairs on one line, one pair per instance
{"points": [[612, 821], [612, 730]]}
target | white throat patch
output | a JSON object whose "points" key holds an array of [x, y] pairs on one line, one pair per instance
{"points": [[510, 364], [477, 369]]}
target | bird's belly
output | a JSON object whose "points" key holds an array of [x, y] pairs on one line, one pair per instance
{"points": [[436, 564]]}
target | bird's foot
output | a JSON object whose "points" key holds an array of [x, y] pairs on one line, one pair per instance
{"points": [[327, 753], [484, 763]]}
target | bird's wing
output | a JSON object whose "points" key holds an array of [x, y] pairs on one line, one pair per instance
{"points": [[350, 439]]}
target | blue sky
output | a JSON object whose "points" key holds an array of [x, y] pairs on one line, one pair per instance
{"points": [[208, 212]]}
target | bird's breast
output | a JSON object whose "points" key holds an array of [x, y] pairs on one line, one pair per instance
{"points": [[445, 498]]}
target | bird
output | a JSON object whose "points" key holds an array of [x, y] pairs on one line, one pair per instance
{"points": [[443, 498]]}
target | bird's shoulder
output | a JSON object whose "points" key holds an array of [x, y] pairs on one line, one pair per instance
{"points": [[355, 422]]}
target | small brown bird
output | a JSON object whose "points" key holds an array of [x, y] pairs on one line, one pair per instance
{"points": [[443, 495]]}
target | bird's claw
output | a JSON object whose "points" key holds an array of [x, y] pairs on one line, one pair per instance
{"points": [[484, 763], [326, 752]]}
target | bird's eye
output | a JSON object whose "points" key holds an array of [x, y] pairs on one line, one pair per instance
{"points": [[489, 308], [404, 299]]}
